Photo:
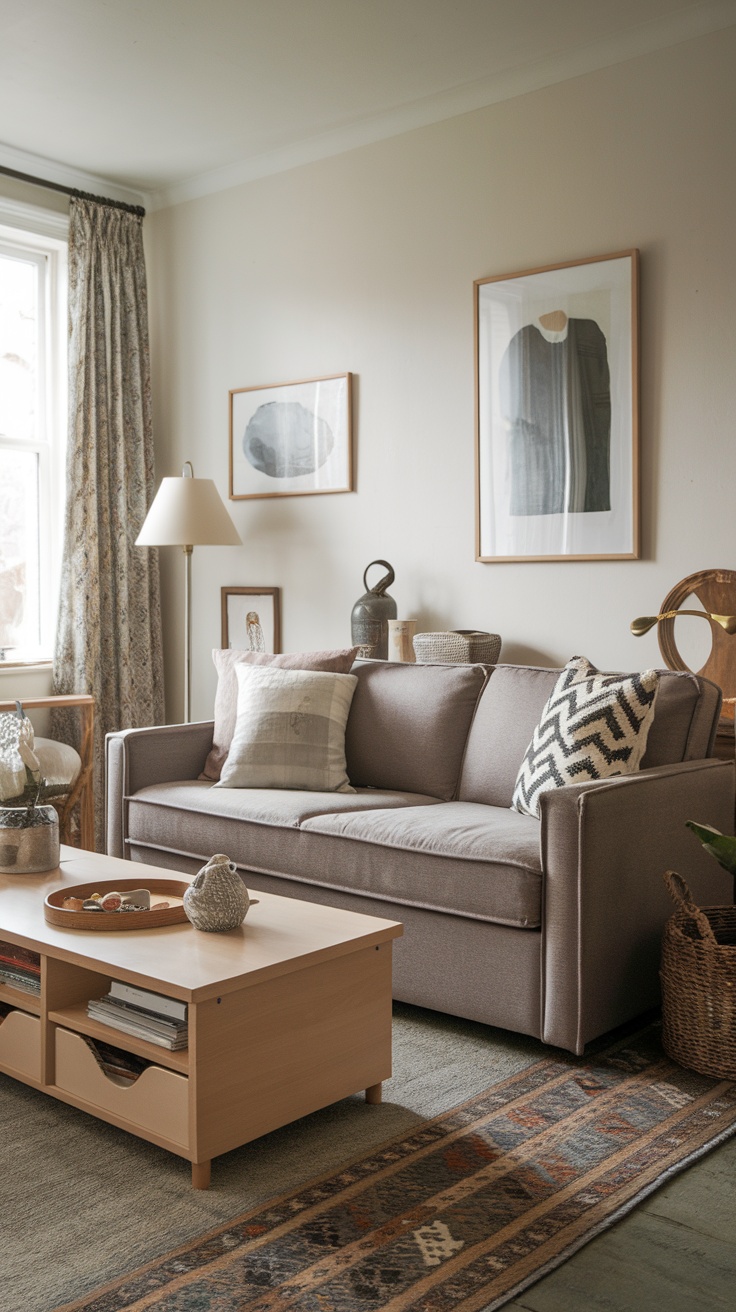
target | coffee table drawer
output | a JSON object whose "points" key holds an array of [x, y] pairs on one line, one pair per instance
{"points": [[158, 1101], [20, 1044]]}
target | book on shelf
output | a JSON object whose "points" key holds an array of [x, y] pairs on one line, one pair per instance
{"points": [[149, 1001], [11, 954], [20, 968], [20, 979], [155, 1018], [141, 1024]]}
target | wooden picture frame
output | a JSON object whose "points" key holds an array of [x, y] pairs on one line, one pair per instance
{"points": [[237, 604], [291, 439], [556, 406]]}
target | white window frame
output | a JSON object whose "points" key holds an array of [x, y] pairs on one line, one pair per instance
{"points": [[42, 235]]}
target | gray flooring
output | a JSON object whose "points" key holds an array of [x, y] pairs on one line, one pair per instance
{"points": [[676, 1252]]}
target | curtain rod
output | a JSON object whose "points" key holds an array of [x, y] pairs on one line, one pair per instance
{"points": [[72, 191]]}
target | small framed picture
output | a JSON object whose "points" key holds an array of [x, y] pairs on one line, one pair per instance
{"points": [[251, 619], [291, 439], [557, 443]]}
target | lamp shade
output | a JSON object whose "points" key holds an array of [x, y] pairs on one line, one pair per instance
{"points": [[188, 512]]}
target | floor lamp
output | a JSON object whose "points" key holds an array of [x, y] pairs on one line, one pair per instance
{"points": [[188, 512]]}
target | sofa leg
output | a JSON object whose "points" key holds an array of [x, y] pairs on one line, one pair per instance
{"points": [[374, 1094]]}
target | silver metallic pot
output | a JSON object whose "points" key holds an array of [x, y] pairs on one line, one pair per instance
{"points": [[27, 849]]}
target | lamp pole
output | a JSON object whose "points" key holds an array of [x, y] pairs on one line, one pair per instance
{"points": [[188, 551], [188, 512]]}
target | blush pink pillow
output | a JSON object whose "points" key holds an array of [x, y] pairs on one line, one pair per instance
{"points": [[226, 697]]}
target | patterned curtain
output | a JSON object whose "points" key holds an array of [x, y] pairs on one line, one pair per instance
{"points": [[109, 631]]}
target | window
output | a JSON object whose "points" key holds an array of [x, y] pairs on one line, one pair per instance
{"points": [[33, 258]]}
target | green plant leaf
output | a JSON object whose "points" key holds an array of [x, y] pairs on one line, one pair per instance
{"points": [[721, 846]]}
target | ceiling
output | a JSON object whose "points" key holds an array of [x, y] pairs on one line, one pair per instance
{"points": [[170, 99]]}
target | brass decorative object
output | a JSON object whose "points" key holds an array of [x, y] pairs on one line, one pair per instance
{"points": [[646, 622], [715, 590]]}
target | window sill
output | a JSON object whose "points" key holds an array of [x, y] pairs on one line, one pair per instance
{"points": [[36, 664]]}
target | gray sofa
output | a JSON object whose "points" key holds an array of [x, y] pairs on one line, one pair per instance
{"points": [[548, 927]]}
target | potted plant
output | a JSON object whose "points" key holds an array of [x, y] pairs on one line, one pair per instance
{"points": [[29, 829], [721, 846]]}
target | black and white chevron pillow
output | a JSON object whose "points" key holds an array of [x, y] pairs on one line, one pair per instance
{"points": [[593, 726]]}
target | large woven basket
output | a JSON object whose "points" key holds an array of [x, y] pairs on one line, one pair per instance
{"points": [[458, 647], [699, 984]]}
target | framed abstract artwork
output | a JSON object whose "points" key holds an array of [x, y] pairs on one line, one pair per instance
{"points": [[557, 395], [291, 439], [251, 619]]}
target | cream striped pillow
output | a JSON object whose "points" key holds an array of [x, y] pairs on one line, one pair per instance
{"points": [[290, 730]]}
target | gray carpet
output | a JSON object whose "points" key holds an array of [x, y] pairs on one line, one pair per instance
{"points": [[84, 1202]]}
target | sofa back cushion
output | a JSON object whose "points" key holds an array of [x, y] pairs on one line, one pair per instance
{"points": [[408, 725], [685, 719], [683, 729]]}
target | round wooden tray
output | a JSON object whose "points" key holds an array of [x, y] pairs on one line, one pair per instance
{"points": [[99, 921]]}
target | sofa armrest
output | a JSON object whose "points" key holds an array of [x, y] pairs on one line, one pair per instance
{"points": [[605, 846], [135, 758]]}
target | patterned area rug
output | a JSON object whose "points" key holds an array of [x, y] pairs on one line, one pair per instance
{"points": [[464, 1212]]}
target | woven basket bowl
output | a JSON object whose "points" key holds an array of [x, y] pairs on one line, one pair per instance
{"points": [[458, 647], [698, 977]]}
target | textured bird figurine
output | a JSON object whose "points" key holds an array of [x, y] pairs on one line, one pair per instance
{"points": [[217, 898]]}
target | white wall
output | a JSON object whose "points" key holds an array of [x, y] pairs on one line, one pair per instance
{"points": [[365, 262]]}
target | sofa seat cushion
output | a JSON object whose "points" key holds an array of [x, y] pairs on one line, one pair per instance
{"points": [[470, 860], [265, 806], [259, 828], [474, 861]]}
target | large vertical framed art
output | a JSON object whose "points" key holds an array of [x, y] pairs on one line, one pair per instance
{"points": [[557, 399]]}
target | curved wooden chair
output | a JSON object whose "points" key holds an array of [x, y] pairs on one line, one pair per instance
{"points": [[75, 806], [715, 589]]}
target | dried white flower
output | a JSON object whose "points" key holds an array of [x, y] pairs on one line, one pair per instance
{"points": [[19, 765], [12, 778], [29, 758]]}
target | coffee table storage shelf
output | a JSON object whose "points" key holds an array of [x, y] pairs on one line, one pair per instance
{"points": [[155, 1105], [157, 1102], [20, 1043], [285, 1015]]}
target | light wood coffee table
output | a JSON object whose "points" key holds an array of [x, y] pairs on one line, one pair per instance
{"points": [[287, 1014]]}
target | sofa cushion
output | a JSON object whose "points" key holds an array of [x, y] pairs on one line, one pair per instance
{"points": [[281, 807], [683, 729], [408, 725], [593, 726], [226, 661], [685, 719], [507, 715], [290, 730], [469, 860]]}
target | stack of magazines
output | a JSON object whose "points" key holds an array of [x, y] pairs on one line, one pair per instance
{"points": [[20, 968], [143, 1014], [122, 1068]]}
